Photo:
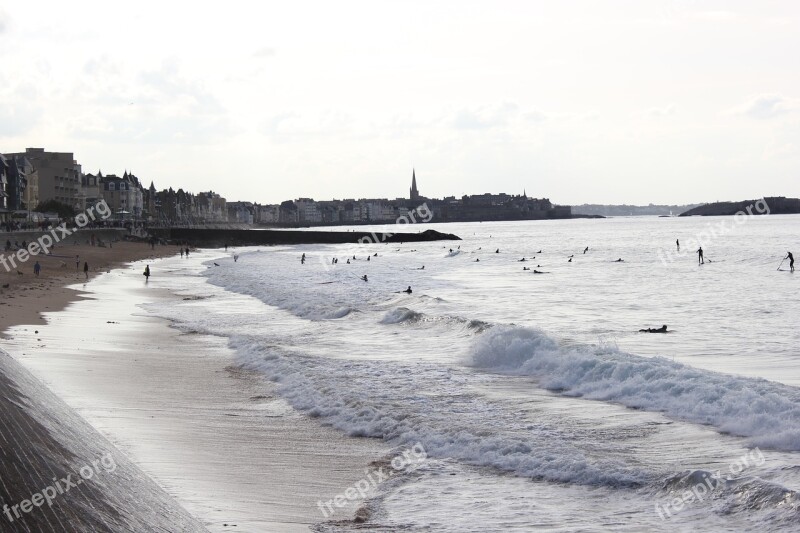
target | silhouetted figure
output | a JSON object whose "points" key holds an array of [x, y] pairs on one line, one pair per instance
{"points": [[408, 290], [364, 277], [678, 244], [303, 259], [497, 251], [146, 273], [620, 260], [86, 270], [570, 260], [585, 249], [36, 269], [790, 257], [662, 329], [700, 260], [525, 268]]}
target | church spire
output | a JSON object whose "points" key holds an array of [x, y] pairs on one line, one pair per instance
{"points": [[414, 193]]}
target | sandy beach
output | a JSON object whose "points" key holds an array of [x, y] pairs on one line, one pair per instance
{"points": [[27, 296], [215, 437]]}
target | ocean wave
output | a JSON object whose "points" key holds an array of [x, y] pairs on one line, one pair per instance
{"points": [[400, 315], [728, 495], [767, 413], [408, 403]]}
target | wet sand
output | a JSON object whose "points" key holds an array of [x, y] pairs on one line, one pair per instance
{"points": [[215, 437], [27, 296]]}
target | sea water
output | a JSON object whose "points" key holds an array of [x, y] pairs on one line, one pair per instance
{"points": [[536, 399]]}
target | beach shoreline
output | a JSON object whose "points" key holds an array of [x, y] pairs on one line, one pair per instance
{"points": [[240, 457], [28, 296]]}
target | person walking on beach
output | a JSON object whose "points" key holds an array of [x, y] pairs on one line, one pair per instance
{"points": [[700, 260], [36, 269], [790, 257], [86, 270], [187, 252], [146, 273], [181, 252]]}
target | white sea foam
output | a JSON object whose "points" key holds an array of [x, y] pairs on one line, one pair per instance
{"points": [[767, 413]]}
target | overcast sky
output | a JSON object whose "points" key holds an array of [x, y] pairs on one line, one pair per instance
{"points": [[671, 101]]}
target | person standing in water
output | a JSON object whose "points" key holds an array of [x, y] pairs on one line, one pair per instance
{"points": [[700, 260], [146, 273], [678, 244], [790, 257], [86, 270]]}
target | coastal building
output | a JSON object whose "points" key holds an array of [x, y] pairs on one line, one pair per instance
{"points": [[241, 212], [210, 207], [91, 188], [268, 214], [414, 193], [123, 195], [59, 175], [4, 211], [308, 211]]}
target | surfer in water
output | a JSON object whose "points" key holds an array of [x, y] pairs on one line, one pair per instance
{"points": [[620, 260], [364, 277], [408, 290], [662, 329], [790, 257], [700, 260], [585, 249]]}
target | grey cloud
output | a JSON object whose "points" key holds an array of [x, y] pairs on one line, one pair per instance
{"points": [[485, 117], [767, 106], [19, 112], [264, 52], [656, 112]]}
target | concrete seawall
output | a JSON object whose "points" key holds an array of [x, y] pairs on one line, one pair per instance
{"points": [[233, 237], [79, 236], [58, 474]]}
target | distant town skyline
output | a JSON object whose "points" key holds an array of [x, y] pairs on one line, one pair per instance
{"points": [[602, 102]]}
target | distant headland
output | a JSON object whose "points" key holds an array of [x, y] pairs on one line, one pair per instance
{"points": [[778, 205]]}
